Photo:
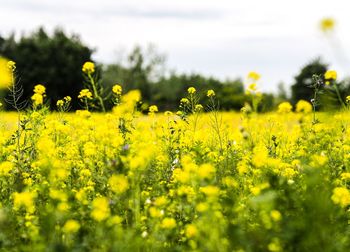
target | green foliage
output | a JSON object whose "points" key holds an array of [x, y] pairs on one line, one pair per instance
{"points": [[168, 91], [53, 60], [139, 71], [301, 89]]}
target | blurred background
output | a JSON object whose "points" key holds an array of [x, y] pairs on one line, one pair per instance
{"points": [[163, 47]]}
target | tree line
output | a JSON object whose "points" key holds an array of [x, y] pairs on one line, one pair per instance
{"points": [[55, 60]]}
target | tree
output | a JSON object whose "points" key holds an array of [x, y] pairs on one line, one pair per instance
{"points": [[300, 89], [139, 70], [54, 61]]}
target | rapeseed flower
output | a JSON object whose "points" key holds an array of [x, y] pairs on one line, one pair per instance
{"points": [[24, 199], [327, 24], [39, 89], [6, 71], [117, 89], [191, 90], [85, 94], [210, 93], [71, 226], [39, 94], [253, 76], [191, 231], [118, 183], [330, 75], [5, 168], [168, 223], [100, 209], [303, 106], [285, 107], [88, 67], [153, 109], [341, 196]]}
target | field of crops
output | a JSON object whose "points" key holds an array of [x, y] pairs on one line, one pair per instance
{"points": [[211, 182], [192, 180]]}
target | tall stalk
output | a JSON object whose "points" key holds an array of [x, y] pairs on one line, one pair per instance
{"points": [[96, 94], [15, 94], [317, 84]]}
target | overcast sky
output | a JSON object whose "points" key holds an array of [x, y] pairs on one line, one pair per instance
{"points": [[223, 38]]}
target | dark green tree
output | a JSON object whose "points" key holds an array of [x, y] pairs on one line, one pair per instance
{"points": [[52, 60], [139, 70], [301, 88]]}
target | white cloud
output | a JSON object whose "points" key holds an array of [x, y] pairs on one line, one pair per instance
{"points": [[225, 38]]}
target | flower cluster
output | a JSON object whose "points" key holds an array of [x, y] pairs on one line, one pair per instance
{"points": [[85, 94], [88, 67], [117, 89], [39, 94]]}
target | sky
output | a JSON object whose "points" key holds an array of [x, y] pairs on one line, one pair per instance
{"points": [[221, 38]]}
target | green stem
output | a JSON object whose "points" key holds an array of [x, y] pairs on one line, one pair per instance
{"points": [[338, 94], [18, 118], [93, 83], [314, 106]]}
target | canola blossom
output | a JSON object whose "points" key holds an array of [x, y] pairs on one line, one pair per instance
{"points": [[327, 25], [162, 183], [6, 68], [192, 180]]}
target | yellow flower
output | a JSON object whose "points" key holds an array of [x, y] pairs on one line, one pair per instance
{"points": [[37, 99], [100, 208], [210, 191], [254, 76], [117, 89], [67, 98], [303, 106], [155, 213], [285, 107], [191, 90], [5, 74], [210, 93], [191, 231], [345, 176], [260, 157], [206, 171], [11, 65], [276, 215], [348, 99], [153, 109], [168, 223], [275, 245], [58, 195], [327, 24], [5, 167], [89, 149], [252, 87], [85, 93], [115, 220], [88, 67], [341, 196], [330, 75], [198, 107], [24, 199], [71, 226], [60, 103], [184, 101], [160, 201], [39, 89], [118, 183]]}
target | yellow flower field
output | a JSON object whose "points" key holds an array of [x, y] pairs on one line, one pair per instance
{"points": [[194, 180], [212, 182]]}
